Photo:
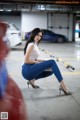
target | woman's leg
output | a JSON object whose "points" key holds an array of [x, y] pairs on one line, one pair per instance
{"points": [[36, 70], [44, 74], [63, 85]]}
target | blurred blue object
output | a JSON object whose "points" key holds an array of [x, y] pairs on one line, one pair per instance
{"points": [[3, 79], [50, 36], [78, 31]]}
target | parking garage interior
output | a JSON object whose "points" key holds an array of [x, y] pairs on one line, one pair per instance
{"points": [[62, 17]]}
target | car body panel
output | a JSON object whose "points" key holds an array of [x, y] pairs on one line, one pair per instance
{"points": [[13, 35]]}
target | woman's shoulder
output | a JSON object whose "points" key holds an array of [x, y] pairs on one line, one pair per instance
{"points": [[31, 44]]}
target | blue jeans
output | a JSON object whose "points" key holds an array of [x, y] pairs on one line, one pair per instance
{"points": [[37, 71]]}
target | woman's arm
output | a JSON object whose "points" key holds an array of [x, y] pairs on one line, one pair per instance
{"points": [[27, 56], [40, 60]]}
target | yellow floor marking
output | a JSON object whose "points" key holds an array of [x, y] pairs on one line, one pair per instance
{"points": [[70, 73], [64, 73]]}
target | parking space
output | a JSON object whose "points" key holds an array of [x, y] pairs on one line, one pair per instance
{"points": [[46, 103]]}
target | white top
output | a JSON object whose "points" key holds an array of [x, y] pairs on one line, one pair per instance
{"points": [[35, 52]]}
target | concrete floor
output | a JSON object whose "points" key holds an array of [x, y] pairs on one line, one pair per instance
{"points": [[46, 103]]}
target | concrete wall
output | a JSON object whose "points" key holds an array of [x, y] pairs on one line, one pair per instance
{"points": [[31, 20], [59, 23], [54, 21], [12, 19]]}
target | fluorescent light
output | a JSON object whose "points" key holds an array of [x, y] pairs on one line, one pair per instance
{"points": [[8, 10], [1, 9]]}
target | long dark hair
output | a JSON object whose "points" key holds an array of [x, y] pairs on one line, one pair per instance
{"points": [[34, 32]]}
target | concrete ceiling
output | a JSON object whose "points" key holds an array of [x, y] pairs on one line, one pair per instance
{"points": [[31, 1], [40, 5], [63, 2]]}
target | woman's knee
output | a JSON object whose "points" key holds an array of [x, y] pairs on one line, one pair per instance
{"points": [[52, 61]]}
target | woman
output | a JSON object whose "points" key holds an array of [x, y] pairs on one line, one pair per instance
{"points": [[33, 68]]}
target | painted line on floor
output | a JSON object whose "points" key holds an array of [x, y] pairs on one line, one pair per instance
{"points": [[61, 60], [70, 73]]}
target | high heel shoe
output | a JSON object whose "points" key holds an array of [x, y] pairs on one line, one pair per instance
{"points": [[34, 86], [65, 92]]}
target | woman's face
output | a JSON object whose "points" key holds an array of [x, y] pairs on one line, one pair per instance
{"points": [[38, 37]]}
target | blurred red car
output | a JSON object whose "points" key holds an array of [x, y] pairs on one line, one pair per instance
{"points": [[12, 103]]}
